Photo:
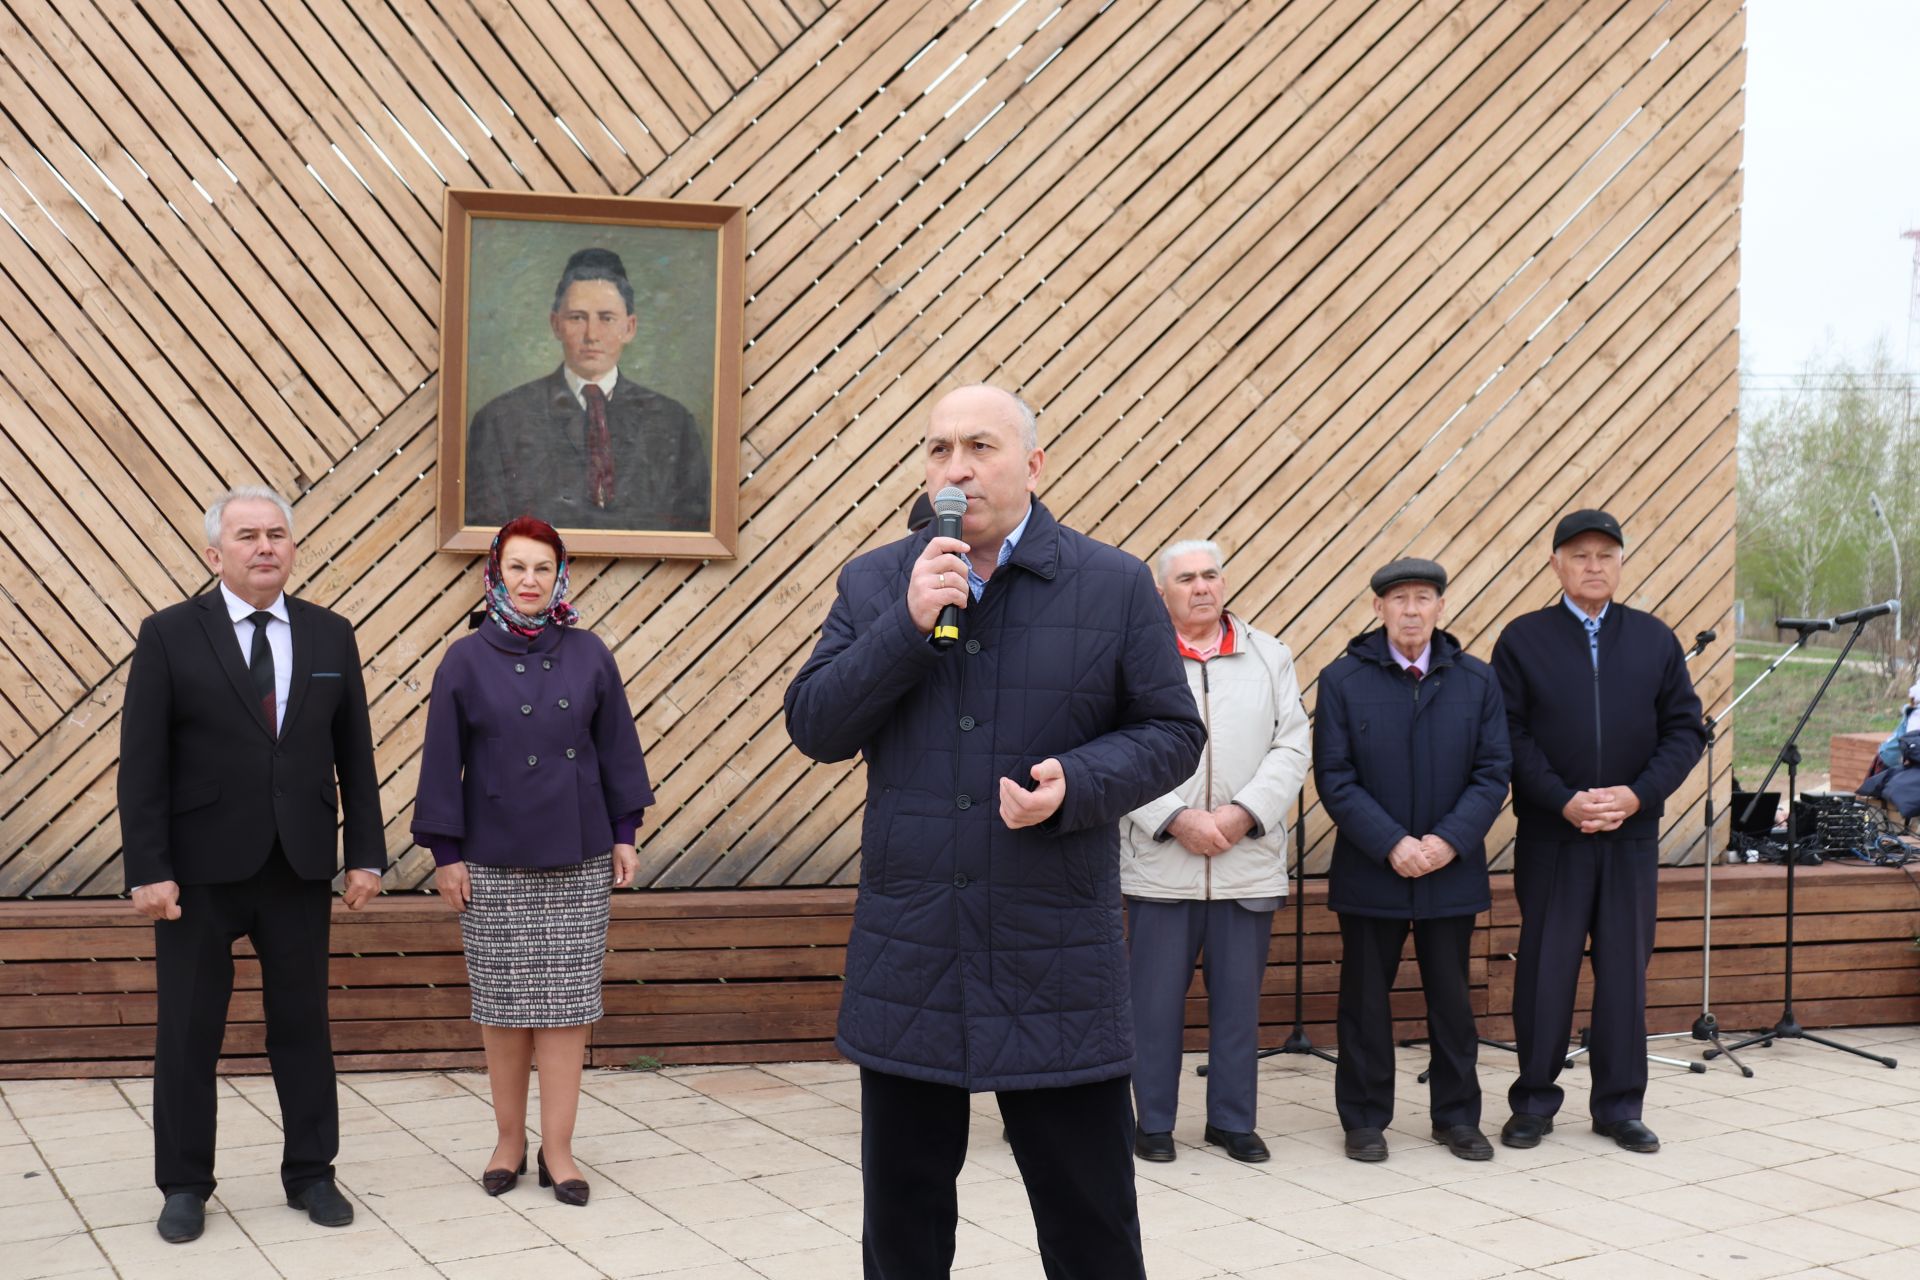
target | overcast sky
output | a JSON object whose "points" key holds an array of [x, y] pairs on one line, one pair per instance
{"points": [[1832, 156]]}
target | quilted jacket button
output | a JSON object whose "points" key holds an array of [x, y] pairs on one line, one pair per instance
{"points": [[965, 802], [967, 722], [973, 646], [960, 880]]}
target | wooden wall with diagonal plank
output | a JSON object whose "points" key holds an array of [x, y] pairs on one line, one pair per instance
{"points": [[1329, 281]]}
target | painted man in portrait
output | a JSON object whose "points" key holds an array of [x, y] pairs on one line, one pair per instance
{"points": [[587, 447]]}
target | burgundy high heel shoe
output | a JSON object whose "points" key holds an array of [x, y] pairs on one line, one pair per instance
{"points": [[497, 1182], [572, 1191]]}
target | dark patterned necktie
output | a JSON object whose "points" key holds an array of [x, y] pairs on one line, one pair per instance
{"points": [[599, 448], [260, 667], [1417, 674]]}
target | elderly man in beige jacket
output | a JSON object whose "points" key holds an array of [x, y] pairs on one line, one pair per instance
{"points": [[1204, 866]]}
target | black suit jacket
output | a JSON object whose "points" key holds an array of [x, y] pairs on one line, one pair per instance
{"points": [[205, 787], [527, 455]]}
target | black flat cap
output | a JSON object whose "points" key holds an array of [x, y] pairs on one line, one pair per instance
{"points": [[1411, 569], [1586, 520]]}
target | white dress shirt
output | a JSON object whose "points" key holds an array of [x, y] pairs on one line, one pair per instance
{"points": [[578, 385], [279, 639]]}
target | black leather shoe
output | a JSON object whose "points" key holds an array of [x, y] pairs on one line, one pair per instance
{"points": [[1464, 1140], [1244, 1147], [1369, 1145], [182, 1218], [1630, 1134], [324, 1204], [573, 1191], [1525, 1131], [1157, 1147], [497, 1182]]}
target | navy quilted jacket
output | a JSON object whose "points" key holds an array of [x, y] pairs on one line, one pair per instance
{"points": [[982, 956]]}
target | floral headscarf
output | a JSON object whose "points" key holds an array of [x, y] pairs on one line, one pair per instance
{"points": [[500, 604]]}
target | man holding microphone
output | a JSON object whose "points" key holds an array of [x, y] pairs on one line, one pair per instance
{"points": [[987, 950]]}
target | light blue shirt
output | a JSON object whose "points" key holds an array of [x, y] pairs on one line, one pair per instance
{"points": [[1591, 624], [976, 583]]}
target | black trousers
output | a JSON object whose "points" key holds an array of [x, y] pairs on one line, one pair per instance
{"points": [[1369, 961], [1074, 1146], [286, 918], [1570, 890]]}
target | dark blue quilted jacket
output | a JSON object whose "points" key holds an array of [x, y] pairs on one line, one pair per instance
{"points": [[982, 956]]}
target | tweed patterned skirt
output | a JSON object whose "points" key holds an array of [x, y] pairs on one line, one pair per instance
{"points": [[536, 941]]}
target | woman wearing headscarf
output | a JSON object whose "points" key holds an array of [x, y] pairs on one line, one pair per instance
{"points": [[532, 785]]}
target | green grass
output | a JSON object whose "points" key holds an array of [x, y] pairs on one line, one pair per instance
{"points": [[1858, 701]]}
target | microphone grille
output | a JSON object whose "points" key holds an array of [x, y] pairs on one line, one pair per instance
{"points": [[950, 501]]}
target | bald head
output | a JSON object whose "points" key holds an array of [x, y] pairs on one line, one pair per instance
{"points": [[984, 441]]}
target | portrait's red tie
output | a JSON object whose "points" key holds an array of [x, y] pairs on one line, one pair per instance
{"points": [[599, 448]]}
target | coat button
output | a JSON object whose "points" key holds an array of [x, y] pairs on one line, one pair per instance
{"points": [[966, 722], [526, 708], [569, 753], [546, 664], [532, 760], [278, 793], [960, 880], [973, 646], [965, 802], [519, 666], [563, 704]]}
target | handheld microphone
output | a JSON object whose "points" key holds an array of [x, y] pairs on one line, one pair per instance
{"points": [[949, 507], [1803, 625], [1871, 611]]}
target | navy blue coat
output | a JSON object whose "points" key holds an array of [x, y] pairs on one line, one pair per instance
{"points": [[1396, 757], [1634, 722], [982, 956]]}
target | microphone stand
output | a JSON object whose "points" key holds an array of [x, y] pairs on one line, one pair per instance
{"points": [[1706, 1027], [1788, 1027], [1297, 1041]]}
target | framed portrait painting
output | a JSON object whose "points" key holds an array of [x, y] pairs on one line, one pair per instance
{"points": [[590, 371]]}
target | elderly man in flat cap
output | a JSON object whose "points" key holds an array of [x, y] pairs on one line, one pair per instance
{"points": [[1410, 757], [1605, 726]]}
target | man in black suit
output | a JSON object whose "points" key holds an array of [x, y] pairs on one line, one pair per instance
{"points": [[243, 707], [587, 447]]}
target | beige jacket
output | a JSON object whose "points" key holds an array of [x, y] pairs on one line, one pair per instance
{"points": [[1256, 756]]}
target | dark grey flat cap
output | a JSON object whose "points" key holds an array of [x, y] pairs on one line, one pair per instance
{"points": [[1411, 569], [1586, 520]]}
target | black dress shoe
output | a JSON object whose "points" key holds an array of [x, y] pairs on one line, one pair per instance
{"points": [[1244, 1147], [182, 1218], [1525, 1131], [497, 1182], [1630, 1134], [1157, 1147], [573, 1191], [324, 1204], [1369, 1145], [1464, 1140]]}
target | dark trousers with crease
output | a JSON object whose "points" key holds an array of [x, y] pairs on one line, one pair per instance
{"points": [[286, 919], [1369, 962], [1074, 1146], [1164, 939], [1570, 890]]}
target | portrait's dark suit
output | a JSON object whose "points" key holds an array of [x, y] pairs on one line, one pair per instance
{"points": [[527, 455], [244, 822]]}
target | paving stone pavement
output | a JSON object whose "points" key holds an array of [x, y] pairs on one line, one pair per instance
{"points": [[1812, 1168]]}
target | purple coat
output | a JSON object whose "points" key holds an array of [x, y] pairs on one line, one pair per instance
{"points": [[531, 758]]}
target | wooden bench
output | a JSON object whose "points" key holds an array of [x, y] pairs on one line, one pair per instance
{"points": [[754, 975]]}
